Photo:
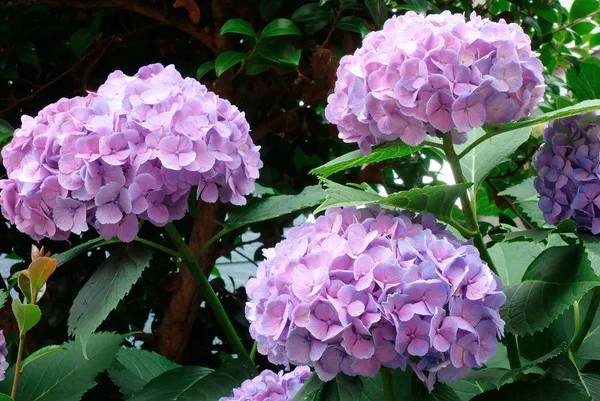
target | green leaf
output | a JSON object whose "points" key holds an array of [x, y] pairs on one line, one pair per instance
{"points": [[280, 27], [343, 388], [310, 390], [579, 108], [353, 24], [267, 8], [546, 390], [477, 164], [580, 79], [582, 8], [535, 235], [438, 199], [522, 191], [65, 375], [64, 257], [4, 397], [226, 60], [3, 298], [372, 388], [50, 349], [441, 392], [109, 284], [195, 383], [27, 315], [257, 65], [6, 131], [465, 389], [553, 354], [391, 150], [238, 25], [378, 11], [512, 258], [351, 5], [82, 39], [545, 12], [548, 289], [204, 69], [563, 368], [595, 40], [274, 206], [592, 383], [312, 11], [134, 368], [584, 27], [592, 248]]}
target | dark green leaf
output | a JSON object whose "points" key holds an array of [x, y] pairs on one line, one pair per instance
{"points": [[592, 383], [27, 315], [372, 388], [353, 24], [257, 65], [238, 25], [378, 11], [563, 368], [267, 8], [3, 297], [274, 206], [548, 289], [545, 12], [226, 60], [64, 257], [195, 383], [310, 390], [391, 150], [6, 131], [441, 392], [280, 27], [312, 11], [582, 8], [351, 5], [581, 81], [477, 164], [82, 39], [4, 397], [134, 368], [41, 353], [109, 284], [204, 69], [65, 375], [556, 352], [546, 390], [343, 388]]}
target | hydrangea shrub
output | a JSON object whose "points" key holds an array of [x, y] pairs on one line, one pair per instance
{"points": [[567, 164], [359, 289], [420, 75], [270, 386], [132, 150]]}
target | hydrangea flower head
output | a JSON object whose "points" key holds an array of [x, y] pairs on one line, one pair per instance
{"points": [[442, 73], [359, 289], [270, 386], [132, 150], [567, 163], [3, 354]]}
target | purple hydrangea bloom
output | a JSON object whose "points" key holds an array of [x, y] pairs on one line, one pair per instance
{"points": [[420, 75], [359, 289], [3, 354], [270, 386], [567, 163], [132, 150]]}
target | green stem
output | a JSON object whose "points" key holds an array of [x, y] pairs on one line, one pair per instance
{"points": [[209, 295], [18, 372], [211, 241], [512, 348], [576, 316], [253, 351], [157, 246], [584, 328], [387, 380]]}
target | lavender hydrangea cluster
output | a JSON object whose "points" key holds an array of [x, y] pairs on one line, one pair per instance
{"points": [[440, 72], [363, 288], [568, 169], [3, 354], [132, 150], [270, 386]]}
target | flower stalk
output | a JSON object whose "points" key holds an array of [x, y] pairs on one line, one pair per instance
{"points": [[585, 325]]}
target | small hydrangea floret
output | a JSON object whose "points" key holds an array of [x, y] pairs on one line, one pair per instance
{"points": [[3, 354], [568, 180], [441, 73], [132, 150], [359, 289], [270, 386]]}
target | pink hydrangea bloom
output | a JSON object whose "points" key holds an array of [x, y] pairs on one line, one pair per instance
{"points": [[270, 386], [132, 150], [567, 163], [443, 73], [3, 354], [359, 289]]}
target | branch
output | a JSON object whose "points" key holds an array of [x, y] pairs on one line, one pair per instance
{"points": [[183, 24]]}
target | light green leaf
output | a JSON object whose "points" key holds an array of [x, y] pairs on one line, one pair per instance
{"points": [[280, 27], [64, 257], [312, 11], [512, 258], [438, 199], [544, 390], [41, 353], [477, 164], [238, 25], [134, 368], [548, 289], [353, 24], [274, 206], [226, 60], [195, 383], [582, 8], [65, 375], [391, 150], [579, 108], [583, 27], [204, 69], [535, 235], [522, 191], [27, 315], [553, 354], [466, 389], [592, 249], [3, 298], [109, 284]]}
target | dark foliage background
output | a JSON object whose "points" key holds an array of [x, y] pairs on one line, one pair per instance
{"points": [[59, 48]]}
